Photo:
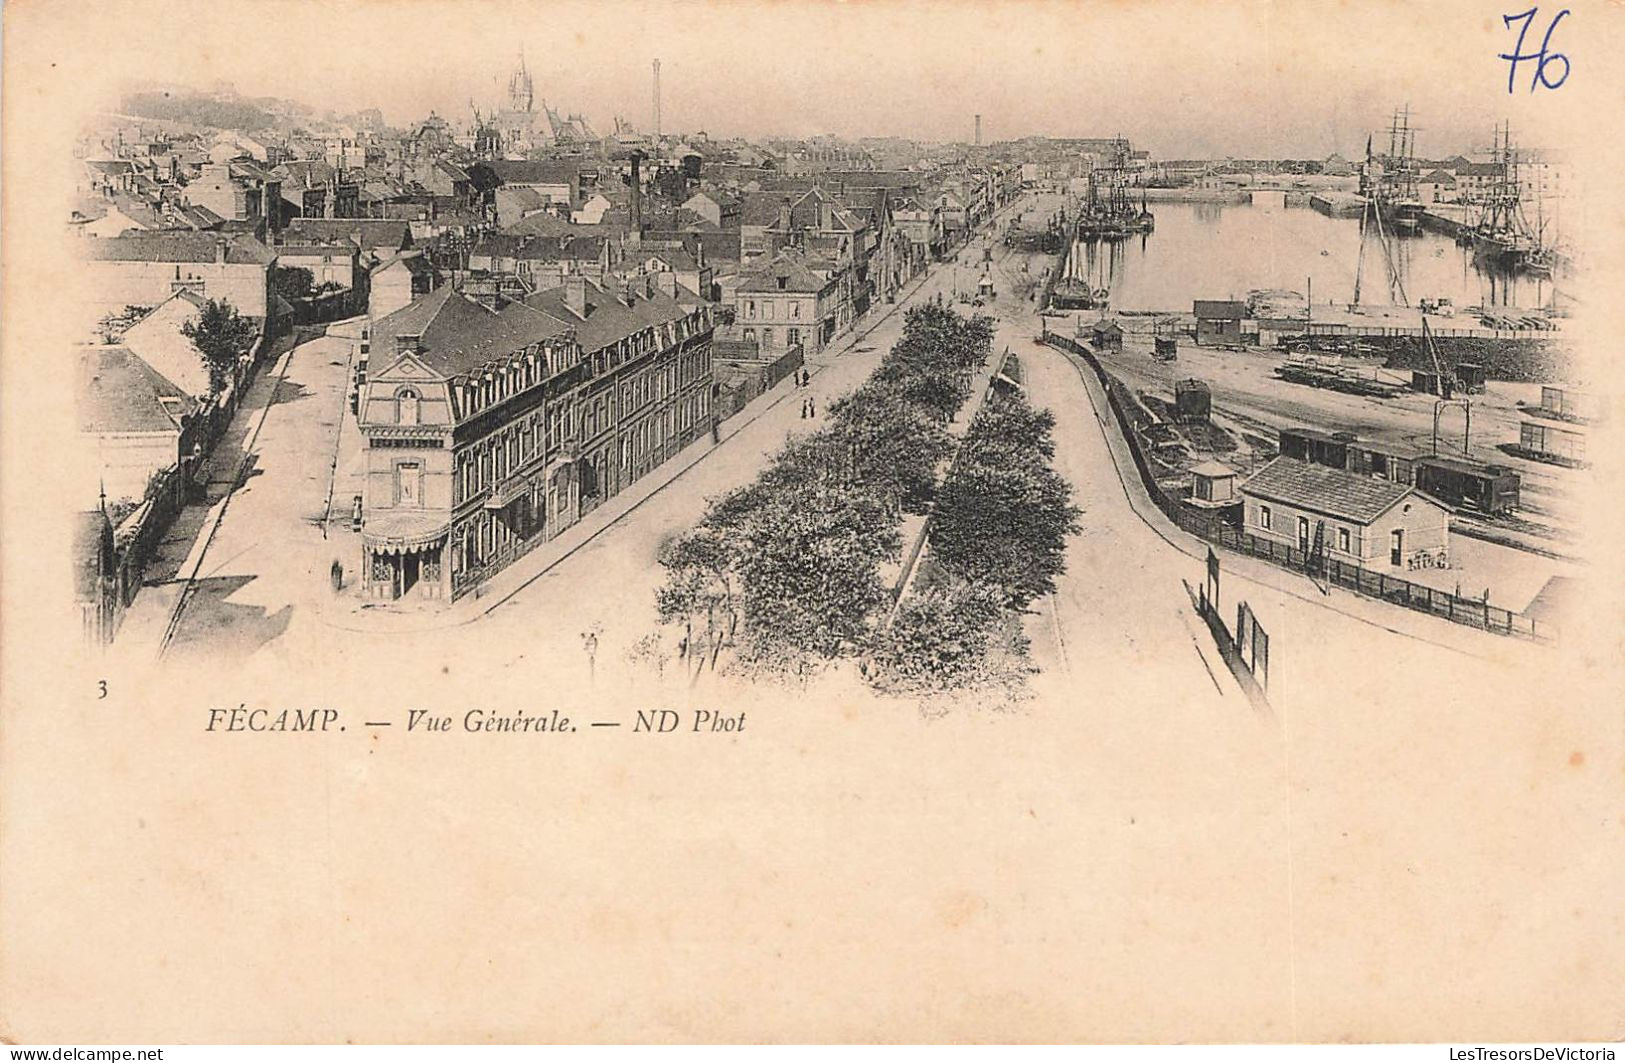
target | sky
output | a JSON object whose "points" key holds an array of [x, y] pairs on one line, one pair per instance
{"points": [[1247, 78]]}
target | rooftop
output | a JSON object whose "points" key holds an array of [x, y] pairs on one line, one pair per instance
{"points": [[176, 246], [457, 335], [119, 392], [786, 271], [1355, 498], [1212, 469], [608, 319], [363, 232], [1223, 309]]}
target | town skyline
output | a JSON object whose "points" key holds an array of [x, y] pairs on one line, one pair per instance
{"points": [[995, 63]]}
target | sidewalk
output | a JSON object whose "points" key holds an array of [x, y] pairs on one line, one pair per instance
{"points": [[1400, 621], [147, 622]]}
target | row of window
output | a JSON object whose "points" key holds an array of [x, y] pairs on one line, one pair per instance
{"points": [[792, 336], [529, 368], [506, 450], [1345, 540], [768, 309], [653, 433], [516, 445], [661, 382], [537, 363]]}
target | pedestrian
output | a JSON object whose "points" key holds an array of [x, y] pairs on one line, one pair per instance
{"points": [[803, 409], [336, 576], [589, 642], [806, 378], [812, 411]]}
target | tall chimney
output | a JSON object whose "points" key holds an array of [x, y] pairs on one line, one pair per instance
{"points": [[637, 193], [575, 294], [978, 130], [657, 98]]}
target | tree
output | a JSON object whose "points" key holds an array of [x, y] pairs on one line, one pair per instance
{"points": [[810, 571], [1009, 424], [951, 636], [293, 282], [701, 582], [1004, 514], [892, 445], [222, 336]]}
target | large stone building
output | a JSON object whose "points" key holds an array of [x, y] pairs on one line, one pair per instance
{"points": [[146, 268], [489, 431]]}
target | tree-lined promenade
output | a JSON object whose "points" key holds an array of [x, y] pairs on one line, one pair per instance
{"points": [[785, 574]]}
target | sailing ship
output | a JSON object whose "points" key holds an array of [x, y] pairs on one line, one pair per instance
{"points": [[1108, 213], [1390, 181], [1502, 236], [1084, 280]]}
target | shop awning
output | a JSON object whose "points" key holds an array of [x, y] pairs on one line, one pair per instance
{"points": [[401, 531]]}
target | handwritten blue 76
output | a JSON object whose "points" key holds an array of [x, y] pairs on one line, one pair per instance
{"points": [[1540, 58]]}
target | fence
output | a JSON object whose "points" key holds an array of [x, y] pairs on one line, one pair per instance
{"points": [[748, 376], [1472, 612], [1246, 653], [167, 494]]}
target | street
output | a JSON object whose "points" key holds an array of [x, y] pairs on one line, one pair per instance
{"points": [[262, 597]]}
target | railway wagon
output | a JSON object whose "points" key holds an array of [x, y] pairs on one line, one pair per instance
{"points": [[1486, 488], [1193, 401], [1383, 461], [1313, 445]]}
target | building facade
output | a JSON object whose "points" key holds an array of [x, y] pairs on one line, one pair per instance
{"points": [[783, 303], [489, 432], [1345, 516], [145, 269]]}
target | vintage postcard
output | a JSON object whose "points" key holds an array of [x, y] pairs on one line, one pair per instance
{"points": [[807, 521]]}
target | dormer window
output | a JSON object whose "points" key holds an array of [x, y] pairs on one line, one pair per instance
{"points": [[406, 406]]}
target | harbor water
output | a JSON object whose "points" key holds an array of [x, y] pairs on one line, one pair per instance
{"points": [[1223, 251]]}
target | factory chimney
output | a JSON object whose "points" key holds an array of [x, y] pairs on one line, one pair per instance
{"points": [[637, 197], [978, 130], [657, 99]]}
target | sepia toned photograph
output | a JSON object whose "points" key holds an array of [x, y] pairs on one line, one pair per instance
{"points": [[743, 522]]}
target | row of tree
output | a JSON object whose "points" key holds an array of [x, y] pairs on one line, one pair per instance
{"points": [[786, 571], [997, 543]]}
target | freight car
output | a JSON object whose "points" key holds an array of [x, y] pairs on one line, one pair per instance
{"points": [[1193, 402], [1313, 445], [1489, 489]]}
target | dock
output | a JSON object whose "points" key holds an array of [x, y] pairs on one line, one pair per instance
{"points": [[1380, 322]]}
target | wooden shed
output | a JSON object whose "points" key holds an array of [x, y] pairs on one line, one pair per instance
{"points": [[1106, 335]]}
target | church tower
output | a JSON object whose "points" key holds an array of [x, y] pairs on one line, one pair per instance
{"points": [[521, 91]]}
